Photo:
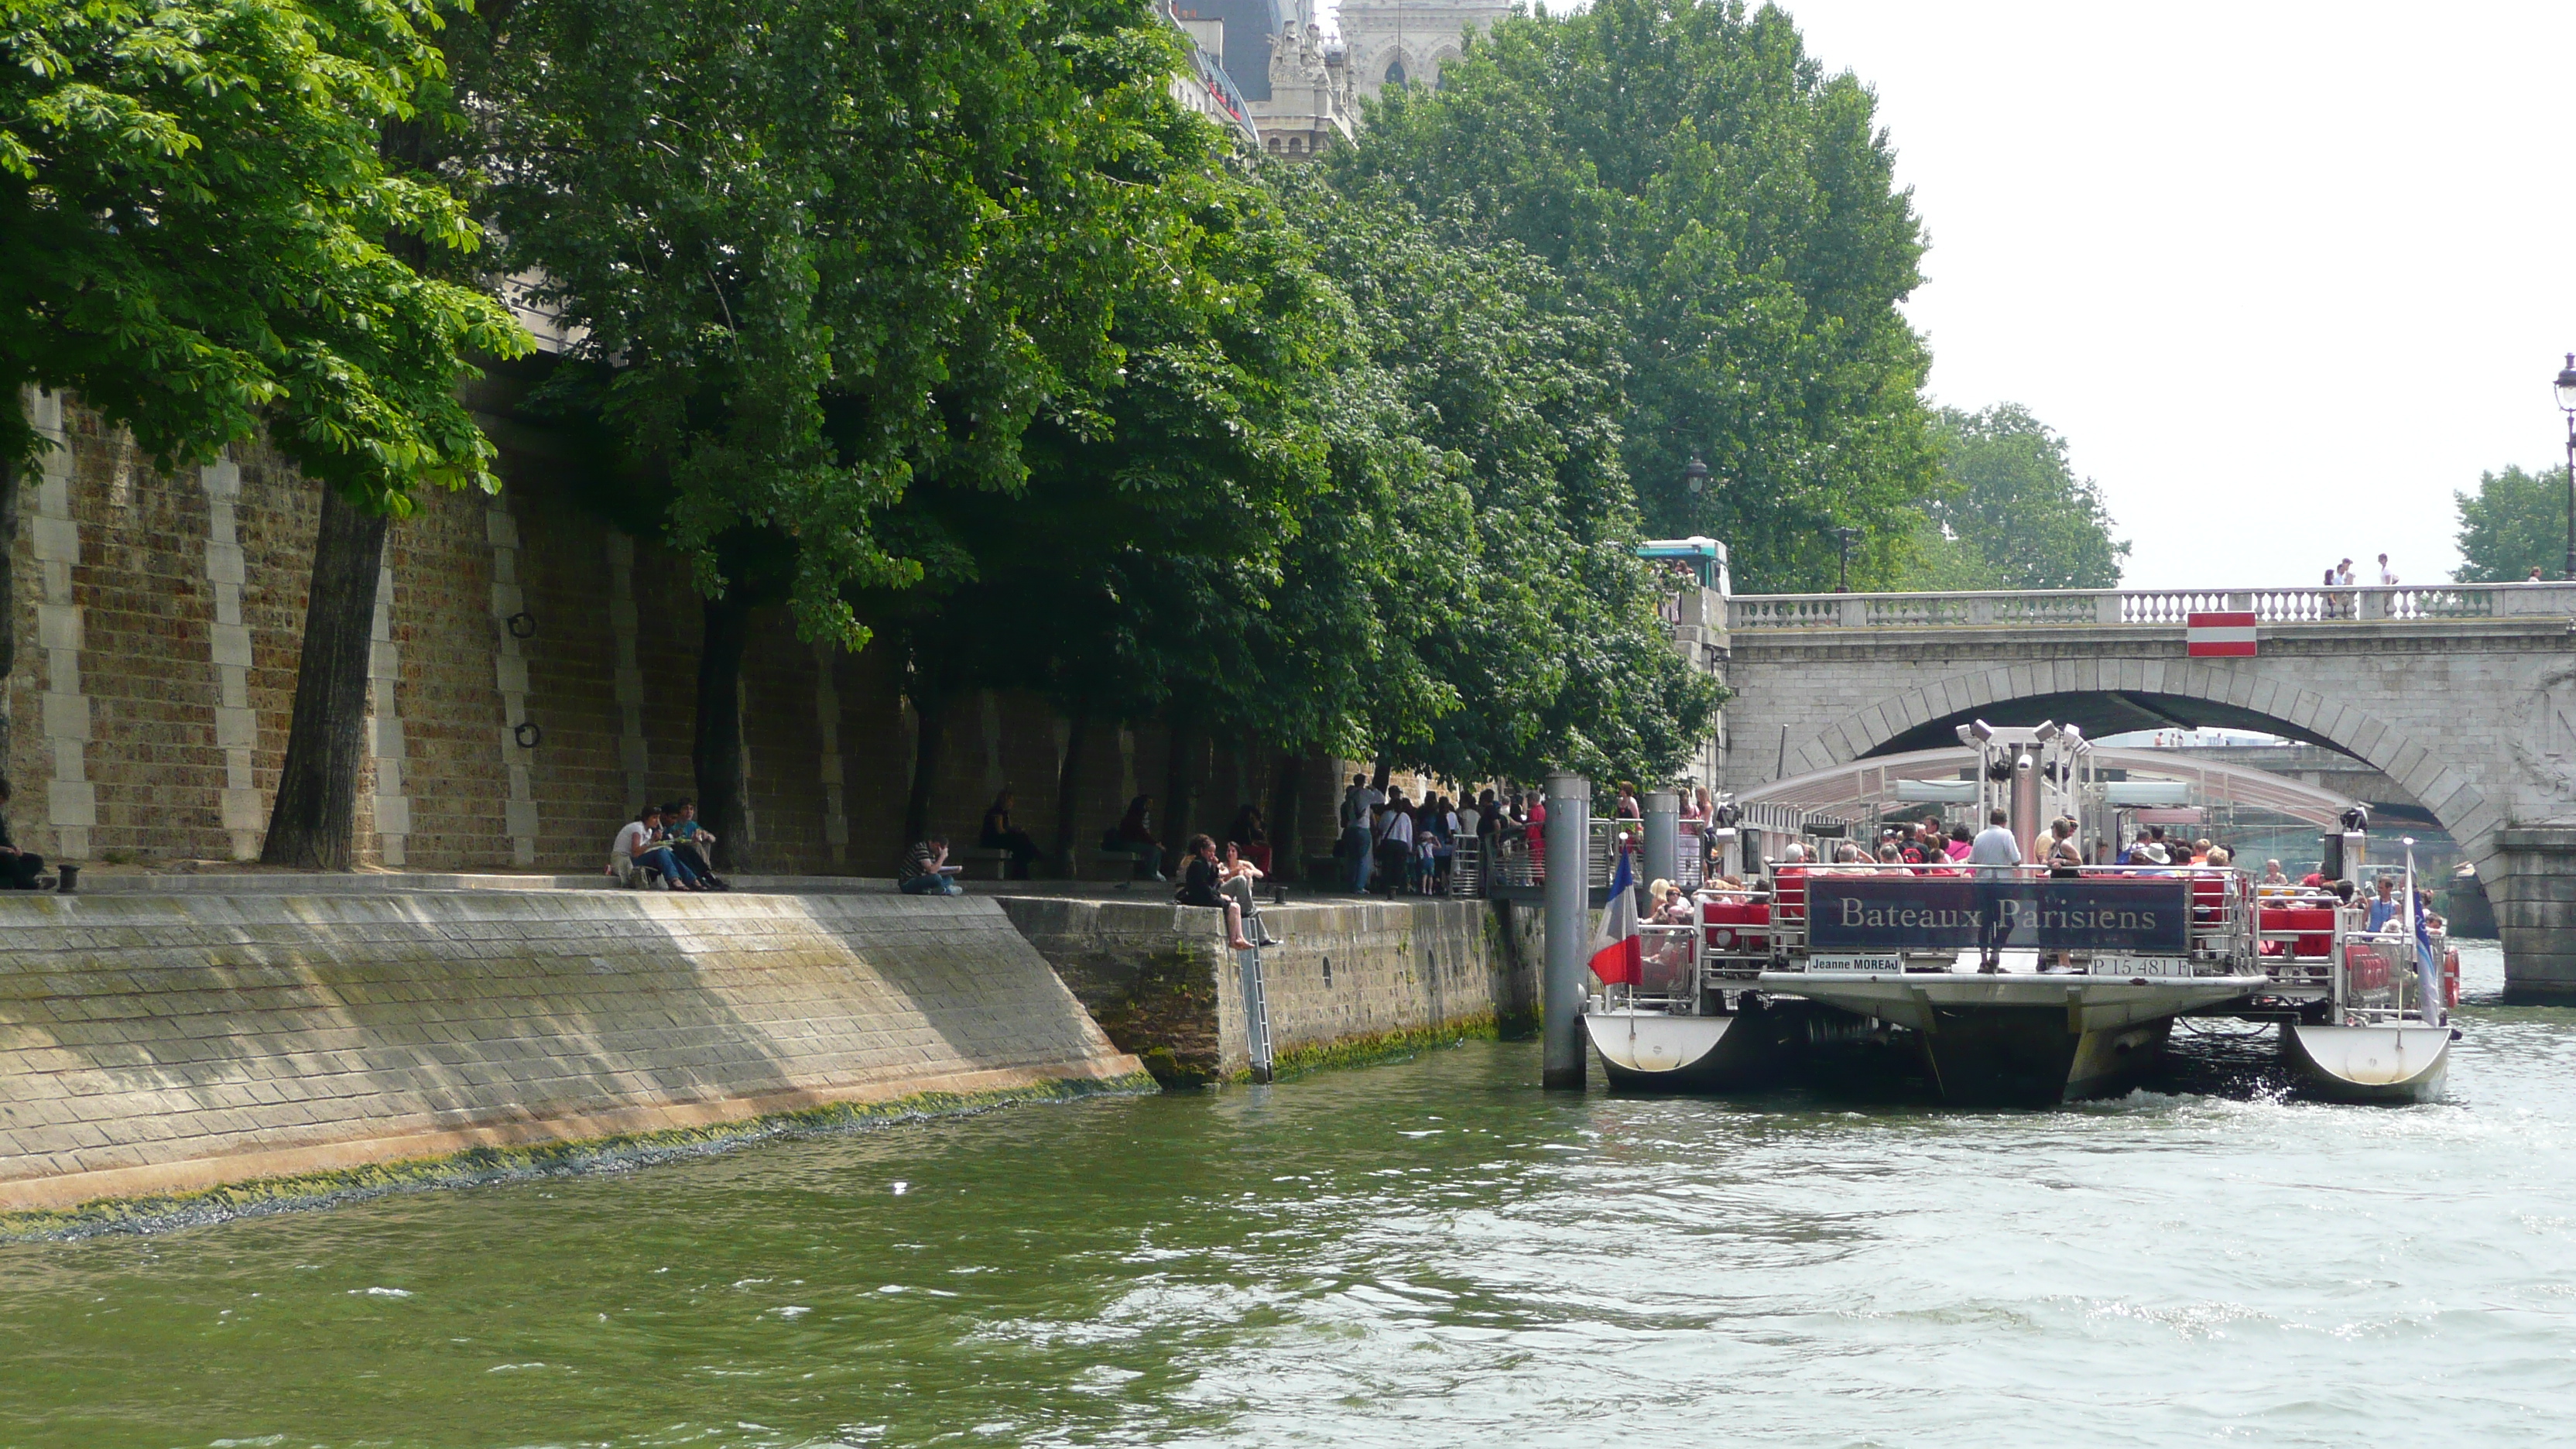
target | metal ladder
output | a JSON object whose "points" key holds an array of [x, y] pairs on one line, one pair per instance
{"points": [[1256, 1014]]}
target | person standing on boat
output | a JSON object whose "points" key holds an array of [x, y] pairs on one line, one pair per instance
{"points": [[1995, 855]]}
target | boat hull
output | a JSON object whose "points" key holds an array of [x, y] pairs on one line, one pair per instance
{"points": [[1650, 1051], [2014, 1040], [2367, 1064]]}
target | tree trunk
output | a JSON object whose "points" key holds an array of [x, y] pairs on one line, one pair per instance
{"points": [[314, 823], [929, 742], [716, 754], [1180, 785], [1068, 793], [1287, 852]]}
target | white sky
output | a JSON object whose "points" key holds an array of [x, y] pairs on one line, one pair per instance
{"points": [[2285, 275]]}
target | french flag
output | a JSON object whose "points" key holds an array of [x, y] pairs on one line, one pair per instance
{"points": [[1618, 956], [2219, 636]]}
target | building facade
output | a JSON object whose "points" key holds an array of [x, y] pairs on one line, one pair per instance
{"points": [[1406, 42]]}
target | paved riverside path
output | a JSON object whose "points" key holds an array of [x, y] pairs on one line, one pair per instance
{"points": [[2465, 695], [159, 1042]]}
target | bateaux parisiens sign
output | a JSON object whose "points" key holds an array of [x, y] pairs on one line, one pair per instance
{"points": [[2144, 916]]}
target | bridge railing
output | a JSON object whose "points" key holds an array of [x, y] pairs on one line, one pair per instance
{"points": [[2147, 607]]}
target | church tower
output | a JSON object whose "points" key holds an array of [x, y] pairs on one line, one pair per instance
{"points": [[1405, 42]]}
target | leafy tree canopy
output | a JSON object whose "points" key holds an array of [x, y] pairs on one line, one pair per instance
{"points": [[1520, 626], [201, 235], [2015, 515], [2514, 523], [820, 247], [1729, 210]]}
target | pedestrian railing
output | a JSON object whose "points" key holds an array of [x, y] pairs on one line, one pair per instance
{"points": [[2131, 608]]}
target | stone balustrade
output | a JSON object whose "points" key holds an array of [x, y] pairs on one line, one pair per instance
{"points": [[2130, 608]]}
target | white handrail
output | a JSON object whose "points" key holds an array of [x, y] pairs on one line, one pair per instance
{"points": [[2131, 608]]}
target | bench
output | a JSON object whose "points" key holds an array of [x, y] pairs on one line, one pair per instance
{"points": [[975, 855]]}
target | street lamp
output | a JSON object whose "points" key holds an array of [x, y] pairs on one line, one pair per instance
{"points": [[1848, 536], [2567, 405], [1695, 475]]}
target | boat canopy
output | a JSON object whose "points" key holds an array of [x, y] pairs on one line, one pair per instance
{"points": [[1932, 776]]}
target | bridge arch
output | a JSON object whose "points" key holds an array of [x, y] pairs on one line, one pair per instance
{"points": [[2202, 692]]}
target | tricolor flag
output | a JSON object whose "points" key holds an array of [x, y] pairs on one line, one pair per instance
{"points": [[2219, 636], [1617, 953]]}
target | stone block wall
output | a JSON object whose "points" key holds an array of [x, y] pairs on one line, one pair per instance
{"points": [[534, 680], [1158, 979], [154, 1044]]}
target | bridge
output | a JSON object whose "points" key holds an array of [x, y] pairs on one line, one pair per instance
{"points": [[2465, 695]]}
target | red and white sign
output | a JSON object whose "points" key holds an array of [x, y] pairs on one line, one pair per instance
{"points": [[2219, 636]]}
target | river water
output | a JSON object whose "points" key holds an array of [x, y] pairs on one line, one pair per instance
{"points": [[1430, 1252]]}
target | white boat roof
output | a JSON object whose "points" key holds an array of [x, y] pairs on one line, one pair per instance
{"points": [[1873, 782]]}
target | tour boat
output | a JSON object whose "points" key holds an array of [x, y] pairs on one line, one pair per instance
{"points": [[2095, 964]]}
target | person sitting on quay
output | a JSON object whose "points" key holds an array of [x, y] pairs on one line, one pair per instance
{"points": [[692, 844], [20, 870], [1200, 887], [1135, 833], [1238, 878], [640, 854], [998, 834], [1250, 835], [926, 871]]}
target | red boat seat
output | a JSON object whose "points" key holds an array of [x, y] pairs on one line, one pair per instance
{"points": [[2315, 925], [1723, 924]]}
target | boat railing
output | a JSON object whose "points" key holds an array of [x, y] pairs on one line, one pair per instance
{"points": [[2379, 977], [1668, 970]]}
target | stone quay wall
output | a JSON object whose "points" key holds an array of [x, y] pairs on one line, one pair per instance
{"points": [[1350, 977], [534, 682], [158, 1044]]}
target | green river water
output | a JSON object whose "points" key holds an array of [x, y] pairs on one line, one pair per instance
{"points": [[1427, 1252]]}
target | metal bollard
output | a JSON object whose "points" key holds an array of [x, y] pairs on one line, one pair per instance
{"points": [[1568, 918]]}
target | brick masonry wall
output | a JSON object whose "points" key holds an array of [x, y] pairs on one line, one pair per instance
{"points": [[160, 622], [161, 1043], [1156, 975]]}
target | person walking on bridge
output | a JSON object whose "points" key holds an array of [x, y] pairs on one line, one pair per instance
{"points": [[1994, 854]]}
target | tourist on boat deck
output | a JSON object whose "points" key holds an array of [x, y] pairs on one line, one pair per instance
{"points": [[926, 871], [2063, 857], [2384, 907], [1199, 888], [1957, 849], [2272, 875], [1994, 854], [2220, 856]]}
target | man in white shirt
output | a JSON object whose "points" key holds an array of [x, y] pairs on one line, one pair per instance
{"points": [[1994, 854], [2387, 575]]}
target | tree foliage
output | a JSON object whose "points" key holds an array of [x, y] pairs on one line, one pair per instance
{"points": [[1730, 210], [1522, 624], [818, 248], [2015, 515], [2514, 523], [201, 236]]}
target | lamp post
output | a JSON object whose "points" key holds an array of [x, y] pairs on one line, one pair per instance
{"points": [[1849, 536], [1695, 475], [2567, 405]]}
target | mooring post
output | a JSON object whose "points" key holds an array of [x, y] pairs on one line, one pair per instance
{"points": [[1663, 836], [1569, 910]]}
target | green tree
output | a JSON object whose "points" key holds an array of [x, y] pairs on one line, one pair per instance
{"points": [[1518, 625], [818, 249], [206, 243], [1730, 209], [2015, 515], [2514, 523]]}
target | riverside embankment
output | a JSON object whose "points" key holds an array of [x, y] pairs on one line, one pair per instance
{"points": [[160, 1042]]}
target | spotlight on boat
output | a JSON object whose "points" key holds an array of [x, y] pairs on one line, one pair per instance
{"points": [[1976, 732], [2048, 730], [2357, 818]]}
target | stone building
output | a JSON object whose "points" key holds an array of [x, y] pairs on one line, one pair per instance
{"points": [[1406, 42], [1311, 108]]}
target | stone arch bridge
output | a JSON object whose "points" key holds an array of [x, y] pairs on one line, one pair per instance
{"points": [[2466, 696]]}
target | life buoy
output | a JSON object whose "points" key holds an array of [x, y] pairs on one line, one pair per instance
{"points": [[2450, 976]]}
